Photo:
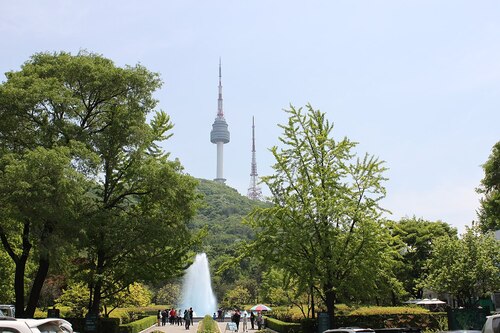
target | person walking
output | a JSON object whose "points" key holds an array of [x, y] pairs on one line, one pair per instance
{"points": [[237, 317], [259, 320], [245, 322], [158, 317], [164, 317], [179, 317], [187, 320], [191, 315], [252, 319]]}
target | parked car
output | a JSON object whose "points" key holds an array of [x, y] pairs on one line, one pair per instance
{"points": [[461, 331], [8, 310], [49, 325], [349, 330], [492, 324]]}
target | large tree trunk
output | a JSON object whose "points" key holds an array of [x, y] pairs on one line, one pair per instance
{"points": [[393, 298], [312, 302], [19, 286], [96, 298], [41, 275], [330, 304], [95, 306], [20, 262]]}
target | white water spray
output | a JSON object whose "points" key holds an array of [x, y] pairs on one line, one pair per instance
{"points": [[197, 288]]}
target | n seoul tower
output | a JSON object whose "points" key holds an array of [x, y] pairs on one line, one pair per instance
{"points": [[220, 134]]}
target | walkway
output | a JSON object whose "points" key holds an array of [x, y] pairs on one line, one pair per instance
{"points": [[192, 329]]}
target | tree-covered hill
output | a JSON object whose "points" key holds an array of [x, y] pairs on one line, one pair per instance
{"points": [[222, 214]]}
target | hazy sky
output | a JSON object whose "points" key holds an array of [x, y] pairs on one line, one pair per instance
{"points": [[416, 83]]}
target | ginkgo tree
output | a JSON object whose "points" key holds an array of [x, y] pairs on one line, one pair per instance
{"points": [[324, 227]]}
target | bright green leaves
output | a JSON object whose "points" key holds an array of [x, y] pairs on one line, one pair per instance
{"points": [[324, 228], [489, 212], [467, 268]]}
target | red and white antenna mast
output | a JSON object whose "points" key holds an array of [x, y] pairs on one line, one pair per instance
{"points": [[254, 191]]}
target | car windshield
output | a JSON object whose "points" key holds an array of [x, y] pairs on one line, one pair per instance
{"points": [[50, 328]]}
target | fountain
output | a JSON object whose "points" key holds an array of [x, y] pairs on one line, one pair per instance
{"points": [[197, 288]]}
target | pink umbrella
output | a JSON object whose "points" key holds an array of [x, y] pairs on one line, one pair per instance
{"points": [[260, 307]]}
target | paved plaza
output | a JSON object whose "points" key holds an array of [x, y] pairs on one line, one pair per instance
{"points": [[192, 329]]}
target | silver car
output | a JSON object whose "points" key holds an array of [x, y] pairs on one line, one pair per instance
{"points": [[49, 325]]}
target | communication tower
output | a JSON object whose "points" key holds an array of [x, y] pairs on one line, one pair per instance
{"points": [[254, 191], [220, 134]]}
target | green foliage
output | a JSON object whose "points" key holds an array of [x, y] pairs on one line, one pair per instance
{"points": [[75, 297], [416, 236], [76, 143], [221, 218], [135, 295], [236, 297], [7, 277], [393, 310], [466, 268], [324, 227], [284, 289], [425, 321], [467, 318], [168, 293], [281, 326], [489, 212], [208, 325], [138, 325], [41, 195]]}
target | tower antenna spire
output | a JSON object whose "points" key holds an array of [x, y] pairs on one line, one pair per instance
{"points": [[220, 111], [220, 133], [254, 190]]}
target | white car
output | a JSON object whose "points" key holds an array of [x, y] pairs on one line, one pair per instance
{"points": [[49, 325], [492, 324], [349, 330]]}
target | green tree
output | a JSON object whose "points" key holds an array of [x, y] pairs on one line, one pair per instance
{"points": [[466, 268], [489, 212], [324, 227], [40, 195], [75, 297], [279, 288], [236, 298], [169, 294], [138, 202], [7, 269], [417, 236], [135, 295]]}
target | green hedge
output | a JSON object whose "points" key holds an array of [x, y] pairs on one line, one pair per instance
{"points": [[424, 321], [281, 326], [427, 321], [138, 325], [208, 325]]}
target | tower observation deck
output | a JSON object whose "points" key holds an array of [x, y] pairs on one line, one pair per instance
{"points": [[220, 133]]}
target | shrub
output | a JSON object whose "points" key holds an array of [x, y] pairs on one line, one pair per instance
{"points": [[281, 326], [424, 321], [387, 310], [138, 325], [208, 325]]}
